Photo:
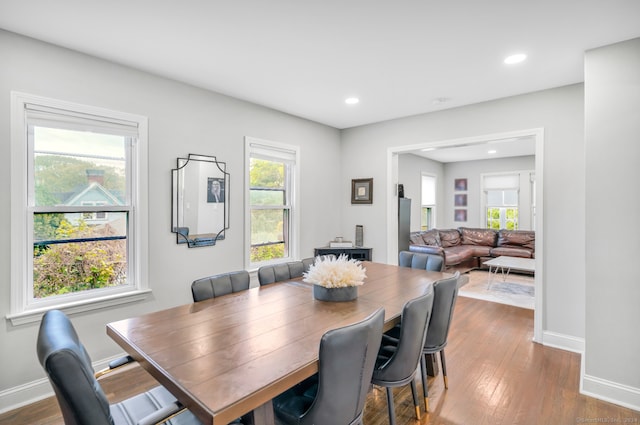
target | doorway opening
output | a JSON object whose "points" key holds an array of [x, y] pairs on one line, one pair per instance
{"points": [[537, 134]]}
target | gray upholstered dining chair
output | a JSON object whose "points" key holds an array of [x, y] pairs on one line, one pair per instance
{"points": [[218, 285], [398, 361], [445, 296], [445, 293], [79, 394], [283, 271], [337, 393], [418, 260]]}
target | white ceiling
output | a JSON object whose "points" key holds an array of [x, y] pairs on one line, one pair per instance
{"points": [[306, 57], [491, 149]]}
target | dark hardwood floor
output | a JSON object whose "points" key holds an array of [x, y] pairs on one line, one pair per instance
{"points": [[497, 376]]}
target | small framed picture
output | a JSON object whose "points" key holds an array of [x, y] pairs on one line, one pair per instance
{"points": [[460, 184], [215, 190], [460, 215], [362, 191], [460, 200]]}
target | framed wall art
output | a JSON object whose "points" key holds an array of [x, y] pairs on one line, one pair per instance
{"points": [[362, 191], [460, 184], [460, 200], [460, 215]]}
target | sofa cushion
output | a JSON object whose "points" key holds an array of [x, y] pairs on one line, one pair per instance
{"points": [[512, 252], [517, 238], [450, 237], [427, 249], [415, 238], [458, 254], [484, 237], [431, 237], [480, 250]]}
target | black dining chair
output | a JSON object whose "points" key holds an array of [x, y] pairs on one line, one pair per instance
{"points": [[444, 301], [337, 393], [419, 260], [78, 392], [397, 362], [218, 285], [283, 271]]}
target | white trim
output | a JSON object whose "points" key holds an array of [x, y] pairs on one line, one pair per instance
{"points": [[392, 205], [35, 314], [612, 392], [294, 239], [21, 310], [31, 392], [538, 315], [563, 342]]}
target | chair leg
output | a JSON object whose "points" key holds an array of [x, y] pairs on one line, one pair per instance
{"points": [[423, 367], [392, 410], [414, 393], [444, 370]]}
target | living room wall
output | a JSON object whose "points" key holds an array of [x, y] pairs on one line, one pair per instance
{"points": [[182, 119], [411, 167], [472, 171], [560, 113]]}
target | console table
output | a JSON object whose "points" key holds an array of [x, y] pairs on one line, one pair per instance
{"points": [[357, 253]]}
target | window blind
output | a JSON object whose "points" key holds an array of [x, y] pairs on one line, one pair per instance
{"points": [[46, 116]]}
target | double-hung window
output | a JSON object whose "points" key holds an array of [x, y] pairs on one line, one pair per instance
{"points": [[501, 197], [77, 207], [428, 202], [272, 175]]}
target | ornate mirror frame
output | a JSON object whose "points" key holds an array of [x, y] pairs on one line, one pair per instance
{"points": [[199, 200]]}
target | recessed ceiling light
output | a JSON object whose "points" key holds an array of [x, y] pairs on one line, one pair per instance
{"points": [[351, 100], [513, 59], [492, 151], [439, 100]]}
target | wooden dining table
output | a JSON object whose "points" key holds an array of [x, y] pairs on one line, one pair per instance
{"points": [[231, 355]]}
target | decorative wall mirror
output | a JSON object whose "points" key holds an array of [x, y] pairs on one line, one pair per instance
{"points": [[200, 200]]}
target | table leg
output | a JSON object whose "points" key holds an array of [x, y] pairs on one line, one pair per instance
{"points": [[432, 365], [491, 276], [505, 275], [263, 415]]}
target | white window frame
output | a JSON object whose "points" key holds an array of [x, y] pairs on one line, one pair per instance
{"points": [[514, 184], [253, 144], [23, 309], [431, 225]]}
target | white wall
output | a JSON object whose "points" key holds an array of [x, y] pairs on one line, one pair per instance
{"points": [[182, 120], [560, 113], [472, 170], [410, 169], [612, 134]]}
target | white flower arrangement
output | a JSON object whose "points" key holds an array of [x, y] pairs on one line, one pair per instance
{"points": [[332, 272]]}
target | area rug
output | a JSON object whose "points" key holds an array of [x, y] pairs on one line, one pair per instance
{"points": [[517, 290]]}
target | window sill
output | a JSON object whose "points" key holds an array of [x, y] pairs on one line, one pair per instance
{"points": [[35, 315]]}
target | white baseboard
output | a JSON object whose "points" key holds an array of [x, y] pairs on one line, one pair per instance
{"points": [[25, 394], [612, 392], [22, 395], [563, 342], [253, 279]]}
